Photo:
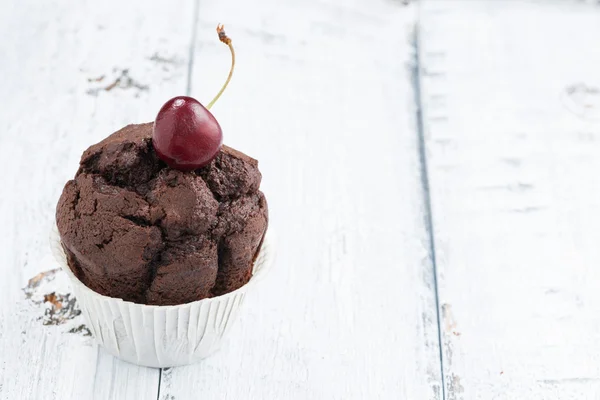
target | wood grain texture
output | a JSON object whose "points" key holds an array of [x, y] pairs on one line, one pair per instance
{"points": [[512, 106], [322, 97], [58, 57], [322, 89]]}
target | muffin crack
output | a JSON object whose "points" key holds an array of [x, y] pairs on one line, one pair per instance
{"points": [[139, 221], [76, 200]]}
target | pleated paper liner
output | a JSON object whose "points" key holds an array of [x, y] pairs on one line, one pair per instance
{"points": [[160, 336]]}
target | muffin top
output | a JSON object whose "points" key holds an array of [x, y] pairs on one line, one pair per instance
{"points": [[136, 229]]}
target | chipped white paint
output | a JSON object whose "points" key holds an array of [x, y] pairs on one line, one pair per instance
{"points": [[511, 95], [320, 89]]}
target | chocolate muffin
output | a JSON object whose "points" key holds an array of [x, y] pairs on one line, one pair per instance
{"points": [[136, 229]]}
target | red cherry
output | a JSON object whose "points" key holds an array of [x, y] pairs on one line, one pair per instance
{"points": [[186, 135]]}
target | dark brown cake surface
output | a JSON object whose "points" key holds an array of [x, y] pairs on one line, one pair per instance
{"points": [[136, 229]]}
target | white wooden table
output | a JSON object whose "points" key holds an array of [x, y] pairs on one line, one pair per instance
{"points": [[432, 172]]}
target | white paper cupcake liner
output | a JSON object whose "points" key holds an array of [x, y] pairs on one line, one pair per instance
{"points": [[160, 336]]}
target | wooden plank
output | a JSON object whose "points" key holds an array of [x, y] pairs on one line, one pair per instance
{"points": [[322, 97], [511, 98], [57, 56]]}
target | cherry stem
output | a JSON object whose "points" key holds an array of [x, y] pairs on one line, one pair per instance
{"points": [[225, 39]]}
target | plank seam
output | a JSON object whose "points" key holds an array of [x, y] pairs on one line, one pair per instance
{"points": [[160, 371], [416, 75]]}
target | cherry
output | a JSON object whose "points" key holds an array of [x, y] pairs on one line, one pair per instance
{"points": [[186, 135]]}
